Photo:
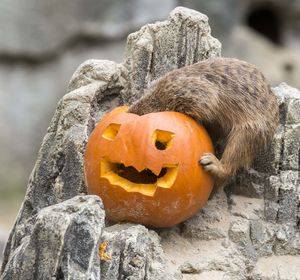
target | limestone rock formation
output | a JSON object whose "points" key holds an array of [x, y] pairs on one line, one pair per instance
{"points": [[135, 253], [96, 87], [251, 231], [63, 243]]}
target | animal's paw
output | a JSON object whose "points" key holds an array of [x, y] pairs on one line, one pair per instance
{"points": [[211, 164]]}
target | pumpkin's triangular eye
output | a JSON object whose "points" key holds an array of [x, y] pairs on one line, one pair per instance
{"points": [[111, 131], [162, 139]]}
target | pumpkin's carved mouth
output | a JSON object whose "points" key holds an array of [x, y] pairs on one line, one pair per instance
{"points": [[131, 180]]}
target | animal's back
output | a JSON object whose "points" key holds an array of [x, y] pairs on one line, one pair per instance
{"points": [[228, 89], [230, 97]]}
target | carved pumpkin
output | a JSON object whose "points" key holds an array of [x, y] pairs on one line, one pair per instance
{"points": [[145, 168]]}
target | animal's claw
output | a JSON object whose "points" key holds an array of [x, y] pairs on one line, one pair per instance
{"points": [[206, 159], [211, 164]]}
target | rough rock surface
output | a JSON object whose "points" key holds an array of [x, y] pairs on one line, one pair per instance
{"points": [[135, 253], [63, 243], [251, 231], [223, 14], [96, 87]]}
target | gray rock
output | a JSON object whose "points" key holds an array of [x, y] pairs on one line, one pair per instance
{"points": [[247, 208], [211, 222], [288, 200], [293, 111], [289, 98], [263, 237], [239, 233], [194, 257], [239, 230], [277, 268], [249, 183], [158, 48], [63, 243], [281, 198], [287, 240], [291, 148], [96, 87], [224, 15], [271, 201], [271, 238], [135, 254], [208, 275]]}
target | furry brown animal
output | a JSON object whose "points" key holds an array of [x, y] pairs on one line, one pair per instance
{"points": [[231, 98]]}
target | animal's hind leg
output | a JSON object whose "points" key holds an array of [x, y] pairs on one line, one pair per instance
{"points": [[241, 147]]}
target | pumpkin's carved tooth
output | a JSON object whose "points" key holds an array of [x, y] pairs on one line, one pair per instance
{"points": [[156, 171], [145, 182], [169, 178]]}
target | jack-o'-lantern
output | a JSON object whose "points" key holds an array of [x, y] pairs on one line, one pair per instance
{"points": [[145, 168]]}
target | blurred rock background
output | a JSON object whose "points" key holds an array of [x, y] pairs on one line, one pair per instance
{"points": [[43, 42]]}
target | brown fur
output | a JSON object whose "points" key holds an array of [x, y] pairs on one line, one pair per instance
{"points": [[231, 98]]}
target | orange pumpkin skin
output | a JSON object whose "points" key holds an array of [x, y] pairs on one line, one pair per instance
{"points": [[132, 145]]}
